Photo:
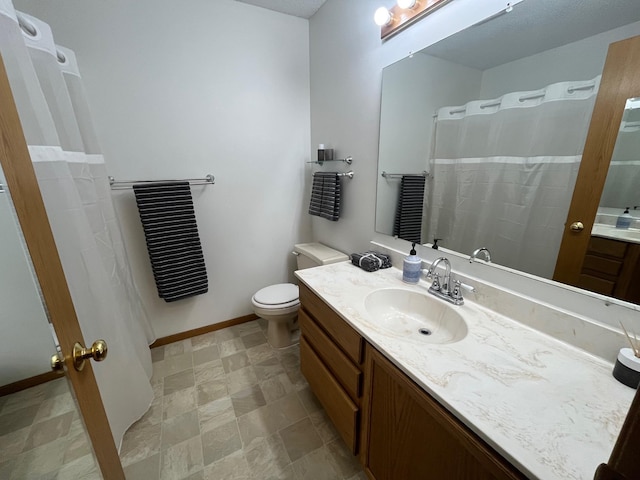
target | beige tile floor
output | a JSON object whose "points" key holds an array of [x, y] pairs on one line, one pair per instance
{"points": [[228, 406], [42, 436]]}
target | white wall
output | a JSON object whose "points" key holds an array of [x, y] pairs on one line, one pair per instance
{"points": [[182, 90], [581, 60], [412, 90]]}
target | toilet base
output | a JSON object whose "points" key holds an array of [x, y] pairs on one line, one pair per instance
{"points": [[279, 334], [280, 322]]}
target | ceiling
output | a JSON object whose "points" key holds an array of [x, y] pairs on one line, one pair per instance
{"points": [[297, 8]]}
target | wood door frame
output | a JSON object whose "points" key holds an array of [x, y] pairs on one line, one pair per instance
{"points": [[620, 81], [25, 194]]}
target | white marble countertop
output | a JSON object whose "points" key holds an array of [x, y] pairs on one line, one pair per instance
{"points": [[631, 235], [551, 409]]}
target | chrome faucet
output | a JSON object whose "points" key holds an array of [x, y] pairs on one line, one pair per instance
{"points": [[437, 286], [478, 251], [442, 289]]}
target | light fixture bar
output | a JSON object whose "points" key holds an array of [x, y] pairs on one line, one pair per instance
{"points": [[401, 18]]}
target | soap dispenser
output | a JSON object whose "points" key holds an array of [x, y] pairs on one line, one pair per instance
{"points": [[624, 220], [412, 266]]}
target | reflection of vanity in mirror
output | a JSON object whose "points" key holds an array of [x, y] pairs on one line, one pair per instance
{"points": [[612, 263], [498, 115]]}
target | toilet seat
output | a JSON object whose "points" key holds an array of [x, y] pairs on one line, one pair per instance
{"points": [[276, 297]]}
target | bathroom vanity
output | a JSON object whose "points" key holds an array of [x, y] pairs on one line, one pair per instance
{"points": [[612, 263], [488, 398]]}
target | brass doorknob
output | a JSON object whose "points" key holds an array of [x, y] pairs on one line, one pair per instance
{"points": [[98, 352], [577, 227], [57, 363]]}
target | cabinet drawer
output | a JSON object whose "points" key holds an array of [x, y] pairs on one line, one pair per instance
{"points": [[607, 266], [342, 334], [604, 246], [594, 284], [341, 410], [339, 364]]}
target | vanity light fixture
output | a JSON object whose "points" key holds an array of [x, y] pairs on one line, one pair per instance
{"points": [[406, 12], [382, 17], [406, 3]]}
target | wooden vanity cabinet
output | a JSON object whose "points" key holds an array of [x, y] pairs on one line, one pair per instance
{"points": [[331, 358], [407, 434], [397, 430], [612, 267]]}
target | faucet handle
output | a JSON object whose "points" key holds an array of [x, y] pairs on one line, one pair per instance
{"points": [[456, 293], [468, 288], [435, 286]]}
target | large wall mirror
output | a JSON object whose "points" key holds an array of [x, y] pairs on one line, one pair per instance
{"points": [[493, 121]]}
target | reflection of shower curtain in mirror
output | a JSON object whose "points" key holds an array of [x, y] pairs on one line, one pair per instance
{"points": [[71, 173], [504, 172]]}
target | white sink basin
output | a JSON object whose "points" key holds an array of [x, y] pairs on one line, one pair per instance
{"points": [[420, 316]]}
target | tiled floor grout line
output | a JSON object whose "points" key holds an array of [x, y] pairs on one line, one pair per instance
{"points": [[267, 367], [41, 437]]}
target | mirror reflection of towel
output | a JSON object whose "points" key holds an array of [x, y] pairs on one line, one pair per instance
{"points": [[170, 230], [408, 222], [325, 195]]}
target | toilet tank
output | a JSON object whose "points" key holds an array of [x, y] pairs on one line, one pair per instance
{"points": [[316, 254]]}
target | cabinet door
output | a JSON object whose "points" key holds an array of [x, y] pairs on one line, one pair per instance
{"points": [[409, 435]]}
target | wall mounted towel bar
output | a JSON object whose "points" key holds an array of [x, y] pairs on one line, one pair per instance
{"points": [[400, 175], [123, 184], [348, 160], [346, 174]]}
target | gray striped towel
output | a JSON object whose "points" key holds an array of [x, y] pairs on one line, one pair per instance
{"points": [[408, 222], [325, 195], [371, 260], [170, 230]]}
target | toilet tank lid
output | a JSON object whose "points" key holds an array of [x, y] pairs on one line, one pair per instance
{"points": [[320, 253], [277, 294]]}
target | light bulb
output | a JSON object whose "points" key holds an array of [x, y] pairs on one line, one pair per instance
{"points": [[406, 3], [382, 17]]}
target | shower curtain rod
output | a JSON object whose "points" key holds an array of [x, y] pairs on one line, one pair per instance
{"points": [[124, 184]]}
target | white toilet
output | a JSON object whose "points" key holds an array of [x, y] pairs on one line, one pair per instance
{"points": [[278, 304]]}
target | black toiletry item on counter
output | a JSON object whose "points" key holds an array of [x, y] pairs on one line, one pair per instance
{"points": [[371, 260]]}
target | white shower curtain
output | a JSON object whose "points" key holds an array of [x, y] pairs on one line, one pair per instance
{"points": [[71, 173], [504, 170]]}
